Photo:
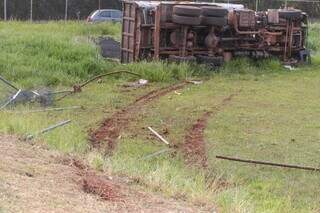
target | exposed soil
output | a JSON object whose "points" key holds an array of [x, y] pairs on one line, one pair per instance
{"points": [[33, 179], [194, 146], [92, 182], [109, 130]]}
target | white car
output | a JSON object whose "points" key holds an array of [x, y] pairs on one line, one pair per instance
{"points": [[105, 15]]}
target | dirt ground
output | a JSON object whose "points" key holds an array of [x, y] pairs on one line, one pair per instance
{"points": [[33, 179]]}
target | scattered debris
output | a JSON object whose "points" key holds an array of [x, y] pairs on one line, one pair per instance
{"points": [[30, 137], [110, 128], [289, 67], [45, 98], [195, 82], [25, 96], [269, 163], [78, 88], [137, 84], [177, 93], [159, 136]]}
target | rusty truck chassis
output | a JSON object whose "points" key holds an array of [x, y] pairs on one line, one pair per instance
{"points": [[165, 30]]}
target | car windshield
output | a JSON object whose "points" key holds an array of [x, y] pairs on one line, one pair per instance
{"points": [[105, 14], [116, 14]]}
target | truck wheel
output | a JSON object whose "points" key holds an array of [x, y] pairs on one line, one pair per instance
{"points": [[212, 62], [186, 20], [180, 59], [187, 11], [214, 21], [290, 14], [214, 11]]}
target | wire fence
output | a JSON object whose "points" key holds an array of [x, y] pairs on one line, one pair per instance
{"points": [[80, 9], [53, 9]]}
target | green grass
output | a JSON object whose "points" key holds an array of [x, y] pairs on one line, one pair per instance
{"points": [[275, 117], [64, 53], [313, 42], [52, 53]]}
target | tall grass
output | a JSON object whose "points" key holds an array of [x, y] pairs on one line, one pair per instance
{"points": [[313, 40], [63, 53], [51, 53]]}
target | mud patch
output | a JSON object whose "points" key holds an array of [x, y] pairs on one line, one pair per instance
{"points": [[93, 183], [109, 130], [100, 186], [194, 146]]}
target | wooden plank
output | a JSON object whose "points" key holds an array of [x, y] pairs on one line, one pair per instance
{"points": [[128, 34], [128, 18]]}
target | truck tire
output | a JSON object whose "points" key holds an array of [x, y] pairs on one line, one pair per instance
{"points": [[180, 59], [290, 14], [190, 11], [214, 11], [186, 20], [214, 21], [210, 61]]}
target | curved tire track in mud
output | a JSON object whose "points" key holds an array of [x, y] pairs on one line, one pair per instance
{"points": [[194, 146], [109, 131]]}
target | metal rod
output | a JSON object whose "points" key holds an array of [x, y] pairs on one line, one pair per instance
{"points": [[30, 137], [5, 10], [10, 100], [8, 83], [66, 11], [55, 126], [59, 92], [152, 155], [159, 136], [51, 109], [110, 73], [269, 163], [31, 10]]}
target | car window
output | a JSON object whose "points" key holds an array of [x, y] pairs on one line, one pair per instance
{"points": [[116, 14], [106, 14]]}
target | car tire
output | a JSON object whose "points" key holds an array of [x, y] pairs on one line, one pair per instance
{"points": [[214, 21], [210, 61], [290, 14], [189, 11], [181, 59], [214, 11], [186, 20]]}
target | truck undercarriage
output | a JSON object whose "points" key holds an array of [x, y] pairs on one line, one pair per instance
{"points": [[210, 33]]}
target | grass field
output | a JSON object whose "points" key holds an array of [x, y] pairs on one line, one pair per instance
{"points": [[274, 117]]}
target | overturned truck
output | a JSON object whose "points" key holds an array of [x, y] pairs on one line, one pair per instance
{"points": [[210, 33]]}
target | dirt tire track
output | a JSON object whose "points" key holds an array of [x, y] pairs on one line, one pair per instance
{"points": [[109, 130], [194, 146], [93, 183]]}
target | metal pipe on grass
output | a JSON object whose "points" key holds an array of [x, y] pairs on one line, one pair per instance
{"points": [[8, 83], [269, 163], [50, 128]]}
